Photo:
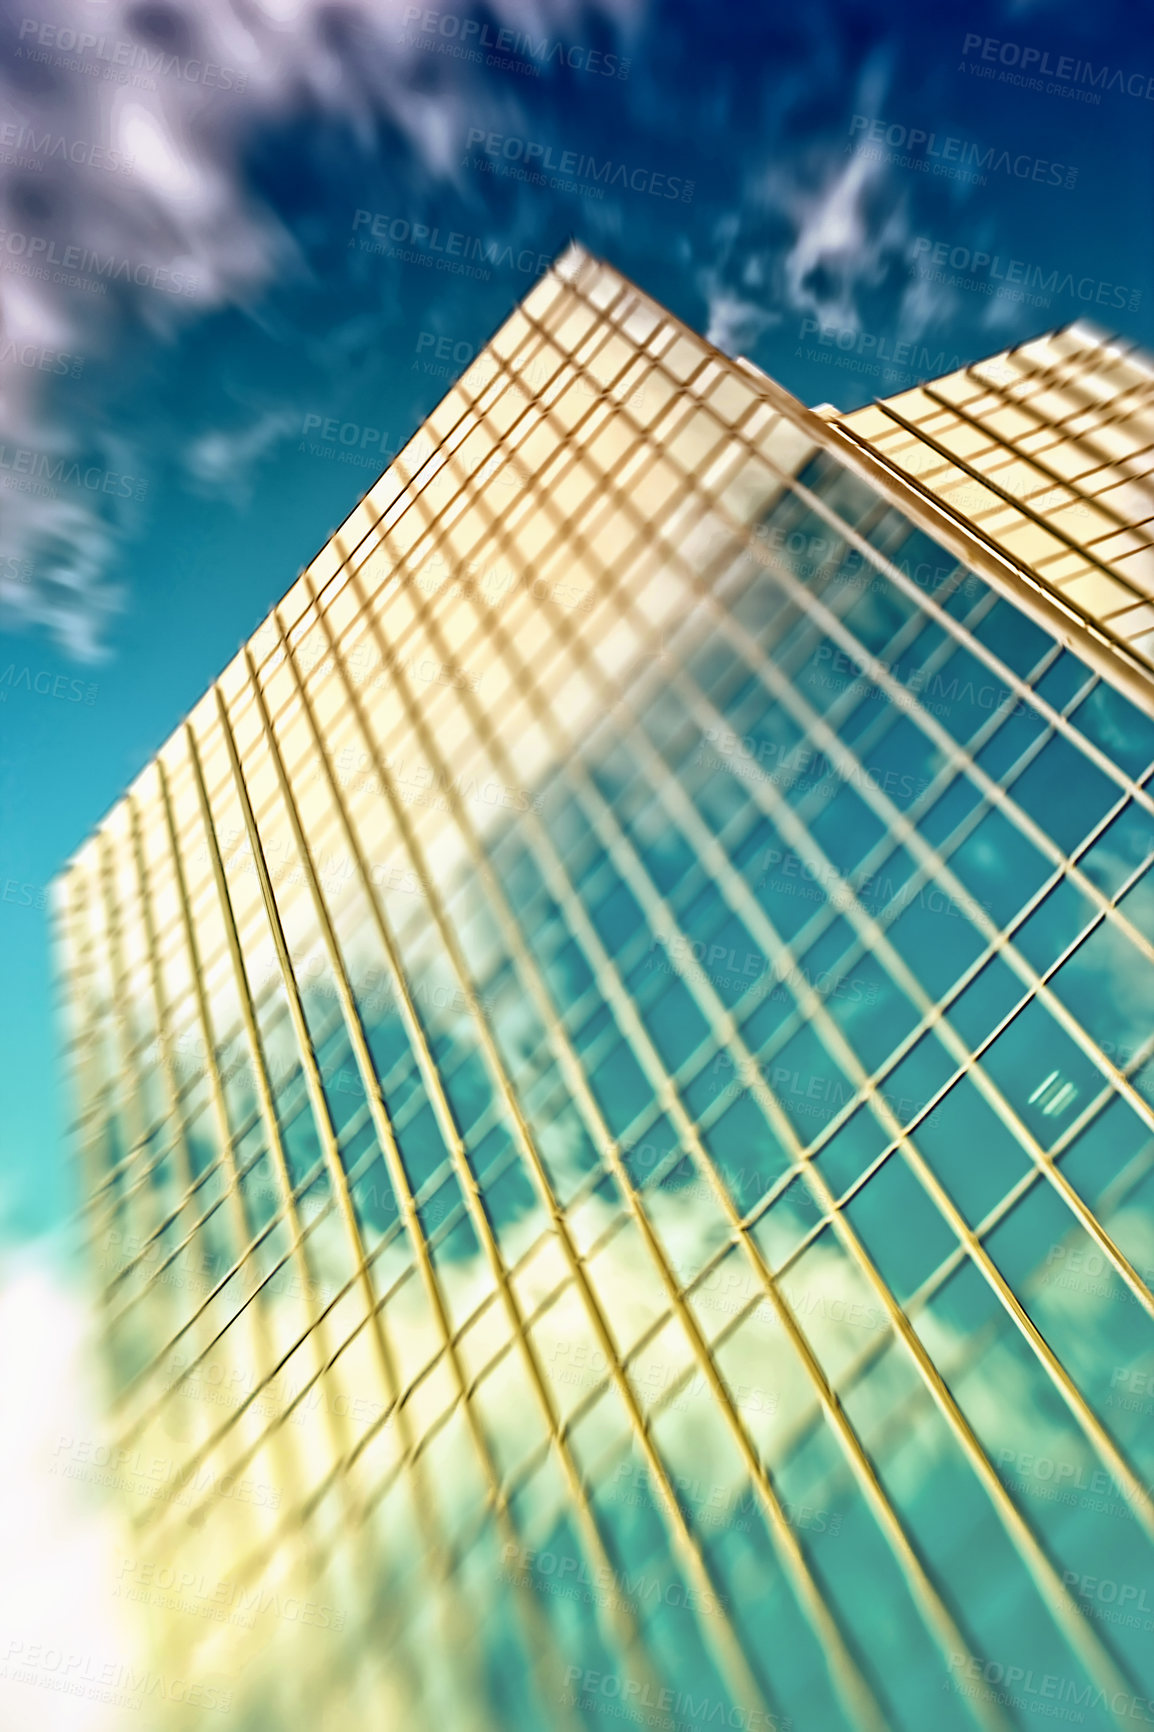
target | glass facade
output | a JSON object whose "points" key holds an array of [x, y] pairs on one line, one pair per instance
{"points": [[612, 1054], [1047, 452]]}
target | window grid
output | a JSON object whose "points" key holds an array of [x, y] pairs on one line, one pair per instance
{"points": [[703, 538]]}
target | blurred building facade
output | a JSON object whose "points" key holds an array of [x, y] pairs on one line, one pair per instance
{"points": [[612, 1063]]}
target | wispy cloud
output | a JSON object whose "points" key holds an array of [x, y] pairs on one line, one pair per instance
{"points": [[60, 1538], [177, 231], [222, 461], [823, 232]]}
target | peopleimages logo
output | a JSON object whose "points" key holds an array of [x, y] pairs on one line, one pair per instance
{"points": [[191, 1591], [874, 350], [116, 58], [1053, 1695], [570, 1572], [469, 39], [116, 1683], [954, 158], [74, 264], [40, 358], [528, 159], [39, 472], [15, 137], [668, 1708], [1034, 64], [448, 249], [990, 273], [45, 685]]}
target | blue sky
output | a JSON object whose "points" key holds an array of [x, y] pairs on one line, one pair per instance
{"points": [[224, 293]]}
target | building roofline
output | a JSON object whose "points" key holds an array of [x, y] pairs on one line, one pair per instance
{"points": [[825, 425]]}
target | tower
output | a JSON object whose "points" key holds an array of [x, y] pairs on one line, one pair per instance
{"points": [[612, 1063]]}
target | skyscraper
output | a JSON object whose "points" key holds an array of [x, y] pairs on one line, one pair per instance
{"points": [[612, 1063]]}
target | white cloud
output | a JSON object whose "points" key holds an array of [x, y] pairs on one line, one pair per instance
{"points": [[60, 1540], [222, 461], [832, 235], [185, 212], [823, 233]]}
